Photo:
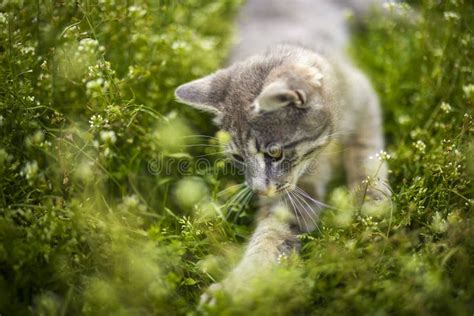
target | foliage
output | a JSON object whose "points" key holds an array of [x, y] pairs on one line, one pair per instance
{"points": [[98, 217]]}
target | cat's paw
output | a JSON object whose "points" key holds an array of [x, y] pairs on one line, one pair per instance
{"points": [[209, 296], [228, 288]]}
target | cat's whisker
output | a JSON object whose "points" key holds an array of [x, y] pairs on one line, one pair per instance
{"points": [[328, 153], [308, 209], [238, 201], [246, 200], [222, 192], [305, 194], [340, 133], [210, 154], [199, 136], [295, 211], [280, 198], [316, 202], [203, 145], [250, 196], [319, 204], [283, 201], [303, 198], [295, 197], [232, 198], [236, 197], [230, 211], [238, 162], [306, 198]]}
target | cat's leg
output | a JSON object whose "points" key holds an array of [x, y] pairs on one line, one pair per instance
{"points": [[275, 237], [366, 174]]}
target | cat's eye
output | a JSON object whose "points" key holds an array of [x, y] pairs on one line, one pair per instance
{"points": [[238, 158]]}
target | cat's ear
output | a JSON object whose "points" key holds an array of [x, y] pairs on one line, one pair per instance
{"points": [[277, 95], [204, 94]]}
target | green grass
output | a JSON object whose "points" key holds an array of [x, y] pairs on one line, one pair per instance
{"points": [[90, 225]]}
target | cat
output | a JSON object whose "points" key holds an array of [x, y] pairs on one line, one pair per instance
{"points": [[293, 103]]}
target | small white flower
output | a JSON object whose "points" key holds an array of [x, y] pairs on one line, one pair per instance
{"points": [[390, 5], [415, 133], [179, 45], [131, 201], [3, 18], [88, 44], [108, 137], [420, 145], [450, 16], [404, 119], [94, 84], [382, 155], [27, 50], [44, 65], [281, 258], [38, 137], [96, 87], [30, 170], [71, 31], [137, 10], [469, 91], [97, 121], [445, 107], [208, 44], [396, 6], [439, 224]]}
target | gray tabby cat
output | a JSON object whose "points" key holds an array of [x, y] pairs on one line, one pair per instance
{"points": [[286, 106]]}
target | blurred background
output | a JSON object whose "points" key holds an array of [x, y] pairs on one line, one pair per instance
{"points": [[104, 210]]}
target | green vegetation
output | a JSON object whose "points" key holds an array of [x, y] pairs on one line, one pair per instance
{"points": [[91, 221]]}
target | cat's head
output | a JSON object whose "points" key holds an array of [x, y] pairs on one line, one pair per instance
{"points": [[279, 109]]}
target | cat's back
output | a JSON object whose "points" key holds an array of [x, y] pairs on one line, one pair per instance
{"points": [[316, 24], [312, 23]]}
